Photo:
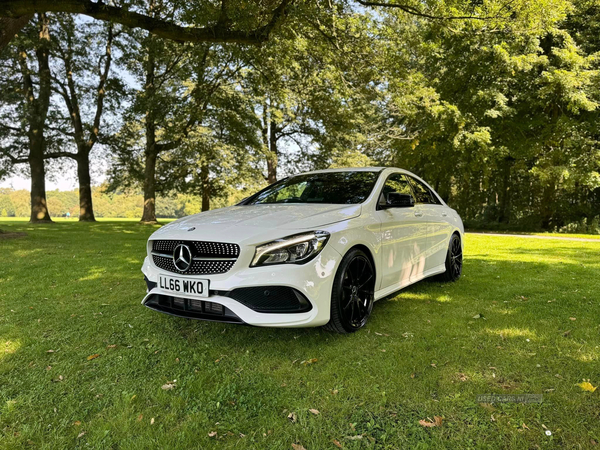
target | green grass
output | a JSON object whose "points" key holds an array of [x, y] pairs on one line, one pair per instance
{"points": [[76, 289]]}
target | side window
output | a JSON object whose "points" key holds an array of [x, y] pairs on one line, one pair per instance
{"points": [[396, 182], [422, 193]]}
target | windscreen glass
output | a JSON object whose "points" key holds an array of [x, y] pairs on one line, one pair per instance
{"points": [[326, 187]]}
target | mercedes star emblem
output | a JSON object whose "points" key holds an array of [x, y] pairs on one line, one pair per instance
{"points": [[182, 257]]}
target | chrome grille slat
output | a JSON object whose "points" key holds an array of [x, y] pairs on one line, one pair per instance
{"points": [[209, 258]]}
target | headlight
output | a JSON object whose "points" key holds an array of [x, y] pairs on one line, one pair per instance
{"points": [[296, 249]]}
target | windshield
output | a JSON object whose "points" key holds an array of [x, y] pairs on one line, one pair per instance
{"points": [[325, 187]]}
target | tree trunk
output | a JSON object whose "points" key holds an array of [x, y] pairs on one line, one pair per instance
{"points": [[205, 181], [39, 206], [504, 206], [272, 157], [9, 27], [86, 209], [149, 214], [151, 152]]}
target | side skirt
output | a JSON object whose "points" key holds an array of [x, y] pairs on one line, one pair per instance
{"points": [[396, 287]]}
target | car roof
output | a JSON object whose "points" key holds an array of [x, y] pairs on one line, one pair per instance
{"points": [[347, 169]]}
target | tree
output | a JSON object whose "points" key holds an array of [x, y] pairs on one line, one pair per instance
{"points": [[80, 91], [502, 123], [24, 131], [180, 90]]}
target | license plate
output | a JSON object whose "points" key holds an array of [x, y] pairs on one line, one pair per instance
{"points": [[188, 287]]}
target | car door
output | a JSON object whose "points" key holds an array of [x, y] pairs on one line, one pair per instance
{"points": [[403, 236], [438, 228]]}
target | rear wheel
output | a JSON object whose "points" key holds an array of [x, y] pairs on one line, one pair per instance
{"points": [[454, 260], [353, 293]]}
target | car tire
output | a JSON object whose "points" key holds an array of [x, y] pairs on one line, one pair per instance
{"points": [[454, 260], [352, 296]]}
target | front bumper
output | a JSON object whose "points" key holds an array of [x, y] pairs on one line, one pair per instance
{"points": [[313, 281]]}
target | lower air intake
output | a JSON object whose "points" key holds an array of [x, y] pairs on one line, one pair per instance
{"points": [[271, 299]]}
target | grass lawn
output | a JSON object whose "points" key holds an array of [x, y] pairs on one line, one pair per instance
{"points": [[69, 291]]}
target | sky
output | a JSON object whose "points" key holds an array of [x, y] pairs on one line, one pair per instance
{"points": [[18, 182], [60, 174]]}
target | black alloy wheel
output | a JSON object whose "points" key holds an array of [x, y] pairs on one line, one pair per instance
{"points": [[353, 293], [454, 260]]}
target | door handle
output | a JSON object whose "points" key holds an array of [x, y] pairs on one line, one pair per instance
{"points": [[418, 214]]}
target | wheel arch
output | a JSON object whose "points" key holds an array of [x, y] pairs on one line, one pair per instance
{"points": [[367, 251]]}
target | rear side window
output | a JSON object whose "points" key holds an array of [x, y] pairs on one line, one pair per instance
{"points": [[422, 193]]}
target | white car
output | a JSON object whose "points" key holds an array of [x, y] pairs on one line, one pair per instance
{"points": [[312, 249]]}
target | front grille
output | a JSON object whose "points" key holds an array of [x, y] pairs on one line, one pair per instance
{"points": [[209, 258], [200, 248]]}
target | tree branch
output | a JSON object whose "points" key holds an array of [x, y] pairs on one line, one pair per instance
{"points": [[12, 158], [218, 33], [55, 155], [417, 12]]}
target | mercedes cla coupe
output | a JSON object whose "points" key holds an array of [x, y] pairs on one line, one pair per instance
{"points": [[312, 249]]}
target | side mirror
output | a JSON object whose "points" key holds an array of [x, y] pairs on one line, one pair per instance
{"points": [[397, 200]]}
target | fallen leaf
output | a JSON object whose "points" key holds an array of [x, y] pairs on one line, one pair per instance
{"points": [[335, 392], [354, 438], [94, 356], [212, 434], [80, 435], [167, 387], [111, 346], [462, 377], [310, 361], [298, 447], [436, 422], [140, 417], [49, 351], [337, 443], [152, 421], [49, 368], [292, 416], [587, 386], [572, 318], [525, 427], [314, 411], [77, 423]]}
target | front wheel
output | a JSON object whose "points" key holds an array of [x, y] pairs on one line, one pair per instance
{"points": [[353, 293], [454, 260]]}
